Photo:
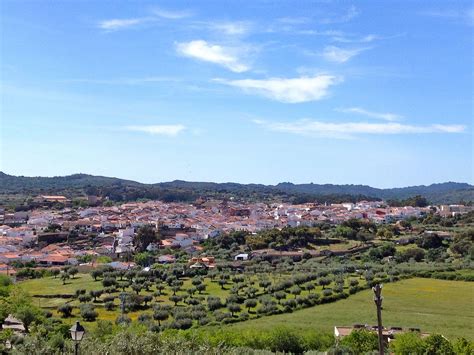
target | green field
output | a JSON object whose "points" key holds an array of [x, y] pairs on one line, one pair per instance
{"points": [[440, 306], [445, 307]]}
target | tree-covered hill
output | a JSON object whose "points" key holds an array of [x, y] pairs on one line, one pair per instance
{"points": [[124, 190]]}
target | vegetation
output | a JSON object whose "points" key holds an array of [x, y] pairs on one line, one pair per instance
{"points": [[18, 190]]}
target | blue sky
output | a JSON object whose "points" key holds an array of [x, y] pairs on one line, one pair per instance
{"points": [[369, 92]]}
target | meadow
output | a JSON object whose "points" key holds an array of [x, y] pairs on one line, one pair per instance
{"points": [[434, 306]]}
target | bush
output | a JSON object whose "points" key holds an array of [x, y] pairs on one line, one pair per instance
{"points": [[123, 320], [283, 340], [65, 309], [407, 343], [88, 312], [436, 344], [361, 341]]}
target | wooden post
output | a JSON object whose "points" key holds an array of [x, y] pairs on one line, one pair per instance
{"points": [[378, 302]]}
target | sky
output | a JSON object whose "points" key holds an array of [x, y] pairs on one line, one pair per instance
{"points": [[365, 92]]}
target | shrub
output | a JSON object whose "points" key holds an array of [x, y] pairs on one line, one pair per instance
{"points": [[407, 343], [65, 309], [88, 313], [123, 319], [361, 341]]}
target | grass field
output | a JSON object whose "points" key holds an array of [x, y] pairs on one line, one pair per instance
{"points": [[436, 306], [440, 306]]}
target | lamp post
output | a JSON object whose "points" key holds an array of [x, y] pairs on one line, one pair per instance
{"points": [[378, 302], [77, 332]]}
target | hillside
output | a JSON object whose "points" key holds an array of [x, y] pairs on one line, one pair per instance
{"points": [[123, 190]]}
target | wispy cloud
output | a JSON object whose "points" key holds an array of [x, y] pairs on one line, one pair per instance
{"points": [[156, 15], [119, 24], [163, 130], [464, 16], [347, 16], [371, 114], [232, 28], [294, 90], [213, 53], [341, 55], [349, 130], [172, 14]]}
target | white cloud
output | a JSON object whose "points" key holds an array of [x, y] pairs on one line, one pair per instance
{"points": [[378, 115], [294, 90], [125, 23], [164, 130], [351, 129], [171, 14], [119, 24], [232, 28], [347, 16], [213, 53], [463, 16], [340, 55]]}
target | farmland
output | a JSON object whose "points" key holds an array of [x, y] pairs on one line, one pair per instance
{"points": [[435, 306]]}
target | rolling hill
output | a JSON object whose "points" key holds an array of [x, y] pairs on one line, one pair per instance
{"points": [[120, 189]]}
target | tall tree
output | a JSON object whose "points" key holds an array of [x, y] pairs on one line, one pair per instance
{"points": [[144, 237]]}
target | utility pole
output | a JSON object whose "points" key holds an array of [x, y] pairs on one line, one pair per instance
{"points": [[378, 302]]}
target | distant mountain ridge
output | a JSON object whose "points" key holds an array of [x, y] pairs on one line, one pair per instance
{"points": [[448, 192]]}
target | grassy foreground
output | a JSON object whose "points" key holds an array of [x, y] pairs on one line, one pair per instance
{"points": [[435, 306]]}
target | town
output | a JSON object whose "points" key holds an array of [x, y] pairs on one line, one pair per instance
{"points": [[52, 237]]}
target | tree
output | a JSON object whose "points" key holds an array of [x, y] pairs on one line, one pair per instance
{"points": [[176, 299], [265, 284], [295, 290], [64, 277], [310, 287], [73, 271], [147, 299], [250, 303], [416, 254], [55, 272], [201, 287], [324, 281], [96, 274], [142, 259], [137, 288], [354, 282], [65, 309], [463, 347], [109, 281], [222, 283], [361, 341], [407, 343], [436, 344], [27, 314], [84, 298], [88, 312], [430, 241], [144, 237], [160, 315], [233, 308], [280, 295], [95, 293], [214, 303]]}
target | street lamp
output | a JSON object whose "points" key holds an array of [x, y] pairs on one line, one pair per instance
{"points": [[378, 302], [77, 332]]}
